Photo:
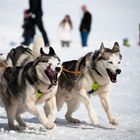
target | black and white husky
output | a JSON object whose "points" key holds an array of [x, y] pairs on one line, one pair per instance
{"points": [[78, 78], [19, 88], [22, 54]]}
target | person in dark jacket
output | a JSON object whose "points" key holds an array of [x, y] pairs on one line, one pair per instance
{"points": [[36, 11], [85, 25], [28, 27]]}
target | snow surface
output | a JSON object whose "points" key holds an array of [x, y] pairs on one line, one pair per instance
{"points": [[112, 21]]}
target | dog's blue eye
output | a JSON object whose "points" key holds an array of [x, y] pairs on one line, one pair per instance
{"points": [[110, 62]]}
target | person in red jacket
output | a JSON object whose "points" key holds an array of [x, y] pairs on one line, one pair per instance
{"points": [[85, 25]]}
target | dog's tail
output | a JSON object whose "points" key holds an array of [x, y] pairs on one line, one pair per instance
{"points": [[38, 43]]}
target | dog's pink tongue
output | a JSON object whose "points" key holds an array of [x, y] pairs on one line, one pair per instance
{"points": [[52, 73]]}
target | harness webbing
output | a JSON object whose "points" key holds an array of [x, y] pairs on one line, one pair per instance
{"points": [[72, 72], [95, 87]]}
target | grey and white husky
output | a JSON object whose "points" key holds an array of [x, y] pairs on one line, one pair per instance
{"points": [[77, 78], [21, 55], [19, 88]]}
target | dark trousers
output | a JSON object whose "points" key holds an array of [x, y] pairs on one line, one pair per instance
{"points": [[27, 41], [39, 24], [84, 38]]}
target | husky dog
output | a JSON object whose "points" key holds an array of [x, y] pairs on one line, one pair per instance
{"points": [[21, 55], [77, 78], [19, 88]]}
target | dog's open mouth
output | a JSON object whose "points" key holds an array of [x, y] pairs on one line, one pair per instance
{"points": [[52, 75], [113, 77]]}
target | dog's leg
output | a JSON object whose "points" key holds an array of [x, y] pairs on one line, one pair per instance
{"points": [[40, 114], [73, 105], [59, 101], [87, 102], [107, 107], [20, 121], [51, 109], [11, 114]]}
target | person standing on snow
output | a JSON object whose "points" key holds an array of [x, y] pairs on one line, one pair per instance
{"points": [[36, 11], [85, 25], [28, 28], [65, 31]]}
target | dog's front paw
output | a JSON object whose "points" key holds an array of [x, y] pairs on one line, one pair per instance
{"points": [[50, 125], [75, 121], [96, 124], [114, 121], [17, 128], [72, 120]]}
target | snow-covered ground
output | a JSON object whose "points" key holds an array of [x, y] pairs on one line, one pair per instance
{"points": [[113, 21]]}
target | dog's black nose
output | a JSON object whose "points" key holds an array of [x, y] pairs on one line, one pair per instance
{"points": [[118, 71], [58, 69]]}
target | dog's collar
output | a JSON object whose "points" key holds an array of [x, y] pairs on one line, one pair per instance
{"points": [[40, 93], [95, 87]]}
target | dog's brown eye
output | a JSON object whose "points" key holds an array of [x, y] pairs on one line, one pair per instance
{"points": [[119, 62]]}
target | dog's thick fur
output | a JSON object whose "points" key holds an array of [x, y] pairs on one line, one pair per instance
{"points": [[19, 88], [101, 66], [3, 67], [21, 55]]}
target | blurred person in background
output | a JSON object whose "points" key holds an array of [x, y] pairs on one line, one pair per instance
{"points": [[85, 25], [28, 27], [65, 31], [36, 11]]}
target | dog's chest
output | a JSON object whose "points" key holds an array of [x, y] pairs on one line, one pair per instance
{"points": [[86, 82], [43, 87]]}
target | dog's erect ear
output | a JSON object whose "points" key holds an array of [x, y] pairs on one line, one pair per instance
{"points": [[116, 47], [102, 48], [42, 52], [51, 52]]}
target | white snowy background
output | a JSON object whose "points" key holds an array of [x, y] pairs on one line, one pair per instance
{"points": [[113, 20]]}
